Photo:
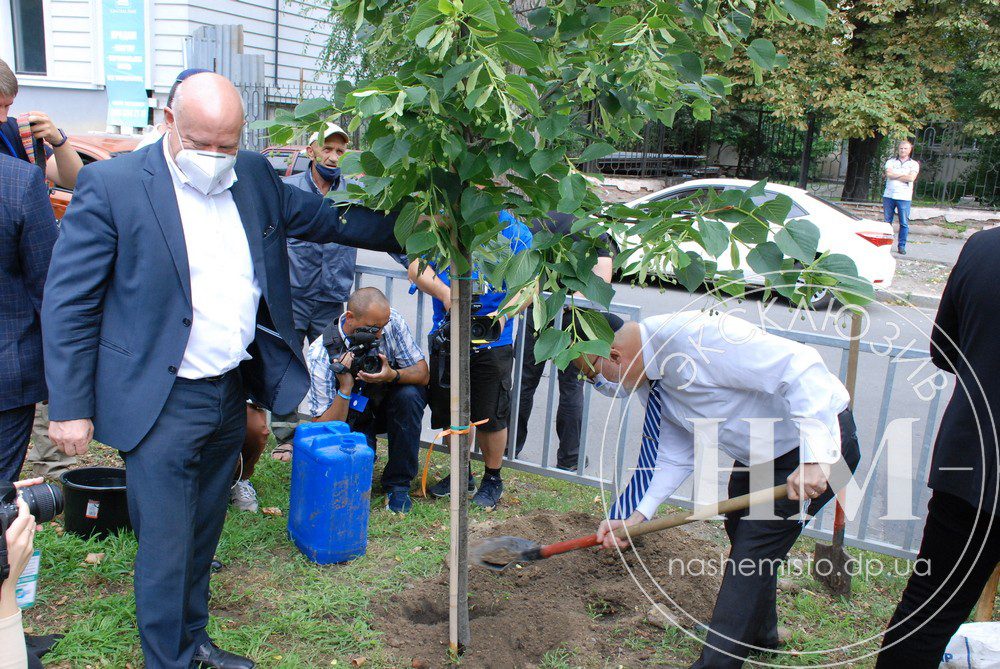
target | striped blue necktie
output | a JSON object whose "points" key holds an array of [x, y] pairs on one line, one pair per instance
{"points": [[636, 488]]}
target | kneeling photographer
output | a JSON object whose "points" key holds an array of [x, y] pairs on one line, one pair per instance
{"points": [[367, 370], [490, 365]]}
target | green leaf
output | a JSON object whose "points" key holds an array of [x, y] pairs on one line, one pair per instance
{"points": [[553, 126], [476, 205], [763, 53], [350, 164], [810, 12], [693, 275], [714, 235], [541, 161], [519, 49], [457, 73], [775, 210], [798, 239], [602, 349], [524, 140], [471, 165], [313, 106], [572, 190], [701, 110], [688, 66], [481, 11], [416, 94], [420, 243], [749, 231], [595, 325], [425, 15], [390, 149], [765, 259], [523, 267], [756, 190], [598, 290], [550, 343], [837, 265], [595, 151], [519, 89], [618, 29]]}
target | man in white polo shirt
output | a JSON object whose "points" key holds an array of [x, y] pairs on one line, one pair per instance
{"points": [[900, 173]]}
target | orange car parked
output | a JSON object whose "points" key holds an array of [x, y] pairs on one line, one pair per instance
{"points": [[91, 147]]}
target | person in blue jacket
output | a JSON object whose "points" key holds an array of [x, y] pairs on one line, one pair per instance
{"points": [[490, 365]]}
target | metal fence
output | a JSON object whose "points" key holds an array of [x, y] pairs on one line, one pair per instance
{"points": [[878, 397], [262, 101], [956, 169]]}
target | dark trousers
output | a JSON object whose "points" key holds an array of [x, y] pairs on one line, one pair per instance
{"points": [[569, 415], [745, 613], [941, 592], [15, 431], [399, 415], [311, 318], [178, 490]]}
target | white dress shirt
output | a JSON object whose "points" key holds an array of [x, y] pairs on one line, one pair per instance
{"points": [[718, 366], [224, 288]]}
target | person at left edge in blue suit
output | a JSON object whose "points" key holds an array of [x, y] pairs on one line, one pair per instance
{"points": [[167, 306], [27, 233]]}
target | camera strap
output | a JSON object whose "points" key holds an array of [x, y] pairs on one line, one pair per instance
{"points": [[4, 559]]}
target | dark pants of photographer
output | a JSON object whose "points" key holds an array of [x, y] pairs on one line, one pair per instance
{"points": [[745, 613], [15, 431], [178, 491], [398, 416], [569, 415], [959, 551]]}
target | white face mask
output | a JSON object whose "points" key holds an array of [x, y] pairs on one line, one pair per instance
{"points": [[608, 388], [209, 172]]}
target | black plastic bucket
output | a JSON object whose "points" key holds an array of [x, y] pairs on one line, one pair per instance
{"points": [[95, 501]]}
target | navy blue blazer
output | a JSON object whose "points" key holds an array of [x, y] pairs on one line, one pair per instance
{"points": [[27, 233], [117, 308]]}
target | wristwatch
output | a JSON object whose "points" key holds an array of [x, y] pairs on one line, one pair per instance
{"points": [[64, 139], [396, 380]]}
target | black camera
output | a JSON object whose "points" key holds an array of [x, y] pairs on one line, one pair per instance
{"points": [[45, 502], [364, 346], [482, 329]]}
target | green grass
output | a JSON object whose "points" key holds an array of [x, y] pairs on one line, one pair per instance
{"points": [[270, 603]]}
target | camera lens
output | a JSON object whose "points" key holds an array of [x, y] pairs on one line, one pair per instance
{"points": [[45, 501], [477, 331]]}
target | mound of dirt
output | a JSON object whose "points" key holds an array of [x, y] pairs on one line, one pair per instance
{"points": [[582, 601]]}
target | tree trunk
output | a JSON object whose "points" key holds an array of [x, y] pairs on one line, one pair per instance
{"points": [[807, 149], [861, 156], [461, 348]]}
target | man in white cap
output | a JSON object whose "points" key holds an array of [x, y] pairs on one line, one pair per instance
{"points": [[322, 275]]}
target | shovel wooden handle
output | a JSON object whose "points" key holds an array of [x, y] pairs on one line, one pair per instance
{"points": [[673, 520]]}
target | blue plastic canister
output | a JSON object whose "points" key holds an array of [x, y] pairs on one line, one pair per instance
{"points": [[330, 492]]}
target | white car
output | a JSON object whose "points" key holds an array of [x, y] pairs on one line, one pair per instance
{"points": [[867, 242]]}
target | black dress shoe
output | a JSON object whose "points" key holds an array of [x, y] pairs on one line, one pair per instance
{"points": [[210, 655]]}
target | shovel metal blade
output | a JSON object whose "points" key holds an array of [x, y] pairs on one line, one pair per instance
{"points": [[829, 567], [498, 553]]}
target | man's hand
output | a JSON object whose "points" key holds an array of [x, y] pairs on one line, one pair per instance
{"points": [[809, 481], [44, 128], [345, 381], [606, 530], [385, 375], [72, 436]]}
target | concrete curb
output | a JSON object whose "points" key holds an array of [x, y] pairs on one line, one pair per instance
{"points": [[923, 301]]}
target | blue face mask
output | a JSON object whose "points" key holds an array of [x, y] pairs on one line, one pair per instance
{"points": [[331, 175]]}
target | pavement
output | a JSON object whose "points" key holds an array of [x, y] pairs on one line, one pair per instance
{"points": [[922, 273]]}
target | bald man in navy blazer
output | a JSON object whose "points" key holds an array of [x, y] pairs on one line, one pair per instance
{"points": [[167, 306]]}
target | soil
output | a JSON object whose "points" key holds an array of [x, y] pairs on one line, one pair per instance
{"points": [[584, 601]]}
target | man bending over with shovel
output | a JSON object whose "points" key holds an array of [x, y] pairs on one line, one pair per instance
{"points": [[767, 402]]}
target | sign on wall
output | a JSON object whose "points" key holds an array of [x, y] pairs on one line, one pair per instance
{"points": [[125, 62]]}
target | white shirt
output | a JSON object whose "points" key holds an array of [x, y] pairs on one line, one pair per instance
{"points": [[224, 288], [896, 189], [718, 366]]}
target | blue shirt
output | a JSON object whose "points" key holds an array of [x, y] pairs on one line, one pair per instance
{"points": [[520, 240]]}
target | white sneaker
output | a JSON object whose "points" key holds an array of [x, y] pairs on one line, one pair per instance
{"points": [[243, 496]]}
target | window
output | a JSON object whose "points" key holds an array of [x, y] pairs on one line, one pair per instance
{"points": [[29, 36], [795, 212]]}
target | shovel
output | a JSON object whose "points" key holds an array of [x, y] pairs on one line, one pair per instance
{"points": [[498, 553]]}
